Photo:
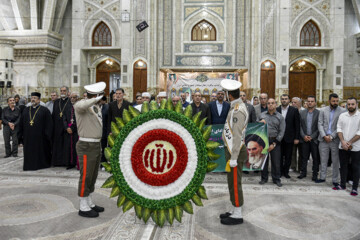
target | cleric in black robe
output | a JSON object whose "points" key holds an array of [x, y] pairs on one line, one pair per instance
{"points": [[36, 129], [62, 139]]}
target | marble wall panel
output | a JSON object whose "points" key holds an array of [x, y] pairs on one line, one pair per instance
{"points": [[269, 28], [167, 32], [189, 10], [240, 35], [140, 12]]}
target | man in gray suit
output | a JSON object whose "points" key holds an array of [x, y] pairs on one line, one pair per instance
{"points": [[262, 107], [328, 138], [309, 134]]}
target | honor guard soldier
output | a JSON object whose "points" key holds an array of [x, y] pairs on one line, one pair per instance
{"points": [[233, 136], [89, 124]]}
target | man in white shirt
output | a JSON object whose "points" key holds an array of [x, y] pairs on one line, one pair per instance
{"points": [[348, 129]]}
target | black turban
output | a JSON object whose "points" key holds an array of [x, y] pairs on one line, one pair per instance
{"points": [[36, 94], [255, 138]]}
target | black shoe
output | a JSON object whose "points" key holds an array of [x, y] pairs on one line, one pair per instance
{"points": [[6, 156], [246, 172], [335, 184], [88, 214], [231, 221], [320, 180], [301, 176], [98, 209], [278, 183], [15, 155], [314, 179], [70, 167], [262, 182], [287, 176], [225, 215]]}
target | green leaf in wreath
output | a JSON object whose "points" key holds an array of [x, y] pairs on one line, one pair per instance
{"points": [[146, 214], [115, 191], [179, 107], [138, 211], [188, 112], [178, 213], [188, 207], [170, 215], [127, 206], [161, 217], [211, 166], [202, 192], [109, 183], [196, 118], [107, 166], [206, 134], [121, 200], [134, 112], [154, 105], [212, 145], [202, 124], [107, 153], [119, 122], [114, 129], [126, 116], [111, 140], [145, 107], [196, 199]]}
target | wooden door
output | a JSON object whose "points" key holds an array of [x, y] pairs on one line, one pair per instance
{"points": [[104, 77], [140, 78], [302, 80], [267, 78], [103, 71]]}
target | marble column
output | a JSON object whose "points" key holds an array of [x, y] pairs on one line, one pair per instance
{"points": [[320, 71], [6, 62]]}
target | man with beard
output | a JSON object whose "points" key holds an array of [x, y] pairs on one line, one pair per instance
{"points": [[36, 128], [348, 128], [309, 133], [62, 138], [183, 100], [234, 130], [219, 109], [292, 133], [255, 145], [329, 141]]}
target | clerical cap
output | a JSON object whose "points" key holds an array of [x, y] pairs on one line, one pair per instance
{"points": [[254, 138], [162, 94], [95, 88], [230, 85], [146, 94], [36, 94]]}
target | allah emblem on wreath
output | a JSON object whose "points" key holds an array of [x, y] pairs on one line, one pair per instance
{"points": [[158, 160]]}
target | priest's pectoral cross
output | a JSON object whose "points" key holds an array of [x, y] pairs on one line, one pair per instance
{"points": [[31, 122], [61, 114], [72, 121]]}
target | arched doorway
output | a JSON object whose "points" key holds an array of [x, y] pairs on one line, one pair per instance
{"points": [[108, 71], [140, 77], [267, 78], [302, 79]]}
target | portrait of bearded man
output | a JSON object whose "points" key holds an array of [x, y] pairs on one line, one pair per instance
{"points": [[255, 145]]}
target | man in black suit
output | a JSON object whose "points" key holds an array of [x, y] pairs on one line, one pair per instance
{"points": [[117, 107], [198, 106], [219, 109], [292, 132], [250, 108], [309, 134], [104, 114]]}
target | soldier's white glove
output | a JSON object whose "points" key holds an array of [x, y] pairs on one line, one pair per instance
{"points": [[233, 163], [98, 98]]}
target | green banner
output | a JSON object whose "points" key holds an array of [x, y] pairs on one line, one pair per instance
{"points": [[256, 146], [216, 136]]}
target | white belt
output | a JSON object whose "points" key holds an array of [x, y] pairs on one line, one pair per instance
{"points": [[90, 139]]}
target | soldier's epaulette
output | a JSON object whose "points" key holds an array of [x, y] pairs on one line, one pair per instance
{"points": [[237, 106]]}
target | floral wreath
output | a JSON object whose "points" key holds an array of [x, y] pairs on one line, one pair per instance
{"points": [[158, 160]]}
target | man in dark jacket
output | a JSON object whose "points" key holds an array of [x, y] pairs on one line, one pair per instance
{"points": [[250, 108], [117, 107], [292, 132], [219, 109], [198, 106]]}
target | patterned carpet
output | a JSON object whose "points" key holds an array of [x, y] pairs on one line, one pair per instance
{"points": [[44, 205]]}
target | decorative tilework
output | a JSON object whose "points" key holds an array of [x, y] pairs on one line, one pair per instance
{"points": [[204, 61], [140, 45], [203, 48], [297, 8], [324, 7], [89, 10], [218, 10], [114, 9], [268, 24]]}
